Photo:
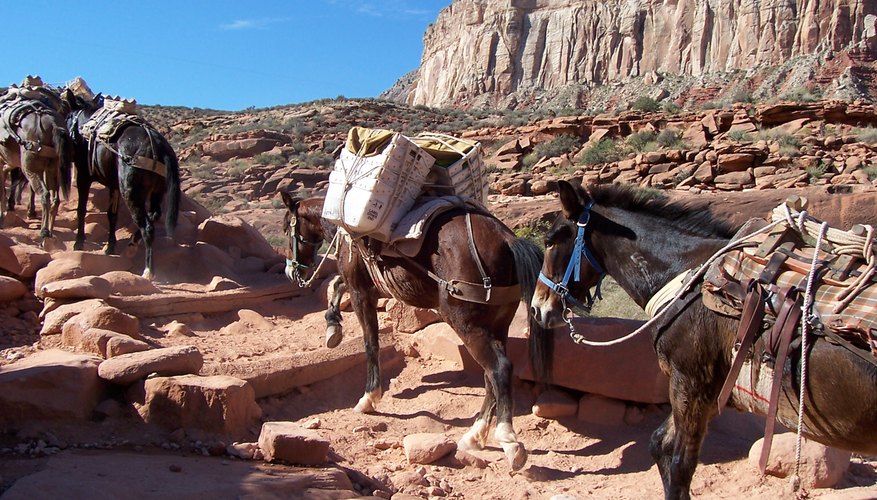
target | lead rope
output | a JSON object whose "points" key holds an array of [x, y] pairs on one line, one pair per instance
{"points": [[579, 339], [329, 251], [807, 318]]}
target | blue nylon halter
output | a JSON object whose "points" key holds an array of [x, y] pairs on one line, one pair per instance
{"points": [[574, 268]]}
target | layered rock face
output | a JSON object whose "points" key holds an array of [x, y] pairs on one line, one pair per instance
{"points": [[477, 47]]}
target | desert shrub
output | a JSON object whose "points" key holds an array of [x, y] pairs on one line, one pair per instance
{"points": [[645, 104], [214, 204], [529, 160], [203, 171], [534, 231], [741, 95], [670, 108], [236, 168], [560, 145], [868, 135], [671, 138], [740, 136], [817, 171], [616, 303], [316, 159], [643, 140], [270, 159], [789, 144], [871, 171], [604, 151], [799, 94]]}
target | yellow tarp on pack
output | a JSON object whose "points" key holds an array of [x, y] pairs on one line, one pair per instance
{"points": [[363, 141], [446, 149]]}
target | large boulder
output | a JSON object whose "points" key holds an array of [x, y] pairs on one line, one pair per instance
{"points": [[292, 443], [218, 405], [49, 385], [821, 466], [229, 232], [86, 287], [128, 283], [628, 371], [55, 318], [11, 289]]}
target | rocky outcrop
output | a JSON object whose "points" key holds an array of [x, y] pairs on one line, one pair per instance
{"points": [[480, 47]]}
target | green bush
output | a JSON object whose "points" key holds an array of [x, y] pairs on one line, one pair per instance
{"points": [[671, 108], [741, 95], [604, 151], [871, 171], [559, 146], [643, 140], [740, 136], [817, 171], [270, 159], [799, 94], [867, 135], [645, 104], [671, 138]]}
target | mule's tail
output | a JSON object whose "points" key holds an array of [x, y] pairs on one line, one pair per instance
{"points": [[64, 145], [173, 196], [528, 262]]}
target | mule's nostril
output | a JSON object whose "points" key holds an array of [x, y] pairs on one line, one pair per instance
{"points": [[534, 311]]}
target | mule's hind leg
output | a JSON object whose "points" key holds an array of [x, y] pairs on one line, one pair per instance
{"points": [[476, 437], [112, 219], [333, 312]]}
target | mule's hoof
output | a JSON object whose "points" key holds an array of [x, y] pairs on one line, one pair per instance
{"points": [[79, 245], [365, 405], [333, 336], [469, 443], [516, 454], [148, 274]]}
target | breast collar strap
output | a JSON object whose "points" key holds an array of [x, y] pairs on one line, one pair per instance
{"points": [[574, 268]]}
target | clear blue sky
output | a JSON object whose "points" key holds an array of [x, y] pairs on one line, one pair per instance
{"points": [[219, 54]]}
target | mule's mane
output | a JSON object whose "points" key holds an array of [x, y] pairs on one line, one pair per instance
{"points": [[692, 218]]}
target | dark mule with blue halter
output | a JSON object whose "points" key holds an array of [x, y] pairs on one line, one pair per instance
{"points": [[643, 241]]}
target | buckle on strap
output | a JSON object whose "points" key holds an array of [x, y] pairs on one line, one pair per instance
{"points": [[488, 287]]}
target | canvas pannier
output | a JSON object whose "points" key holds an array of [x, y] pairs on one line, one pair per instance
{"points": [[376, 179], [458, 169]]}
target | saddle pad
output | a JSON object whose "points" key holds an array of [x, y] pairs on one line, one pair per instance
{"points": [[407, 237], [858, 318], [11, 113]]}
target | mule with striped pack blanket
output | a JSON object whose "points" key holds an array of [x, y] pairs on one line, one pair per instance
{"points": [[34, 139], [711, 293], [122, 151], [468, 266]]}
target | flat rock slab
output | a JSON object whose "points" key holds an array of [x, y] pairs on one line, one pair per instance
{"points": [[129, 368], [276, 375], [78, 474]]}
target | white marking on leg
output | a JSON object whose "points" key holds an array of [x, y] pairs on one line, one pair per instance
{"points": [[368, 401], [476, 437]]}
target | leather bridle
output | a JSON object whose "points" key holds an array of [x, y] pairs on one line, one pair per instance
{"points": [[294, 268], [573, 271]]}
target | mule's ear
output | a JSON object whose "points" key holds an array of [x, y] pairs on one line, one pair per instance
{"points": [[67, 96], [288, 200], [570, 201]]}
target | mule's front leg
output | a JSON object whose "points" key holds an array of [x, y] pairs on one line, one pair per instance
{"points": [[365, 305], [678, 450], [334, 333]]}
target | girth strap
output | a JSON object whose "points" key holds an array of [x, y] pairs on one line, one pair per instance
{"points": [[750, 324], [780, 337]]}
